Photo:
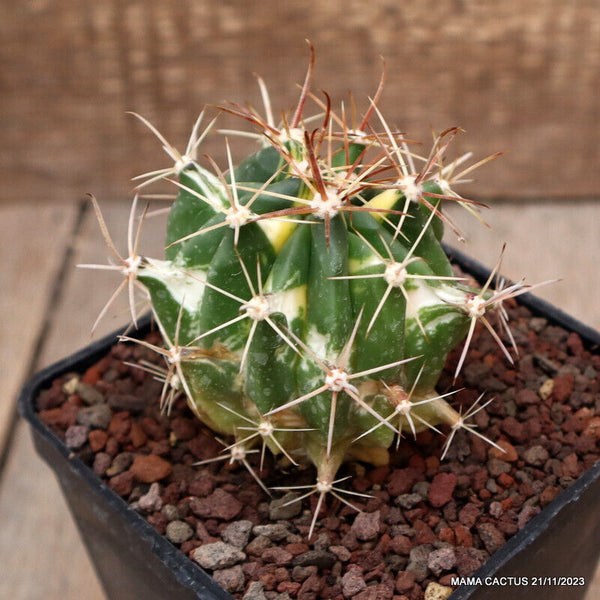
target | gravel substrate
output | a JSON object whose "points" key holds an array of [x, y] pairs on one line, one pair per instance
{"points": [[427, 521]]}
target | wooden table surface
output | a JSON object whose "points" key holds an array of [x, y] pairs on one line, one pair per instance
{"points": [[518, 76], [48, 307]]}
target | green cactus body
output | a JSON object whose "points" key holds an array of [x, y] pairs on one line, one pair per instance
{"points": [[280, 326], [305, 299]]}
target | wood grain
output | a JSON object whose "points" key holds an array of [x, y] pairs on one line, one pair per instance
{"points": [[544, 241], [40, 551], [32, 510], [33, 243], [519, 77]]}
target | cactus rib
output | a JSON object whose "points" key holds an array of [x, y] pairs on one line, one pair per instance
{"points": [[305, 300]]}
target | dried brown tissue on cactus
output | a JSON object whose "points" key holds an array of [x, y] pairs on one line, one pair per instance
{"points": [[306, 303]]}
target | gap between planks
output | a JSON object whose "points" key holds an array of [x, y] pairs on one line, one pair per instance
{"points": [[40, 242], [30, 284], [35, 525]]}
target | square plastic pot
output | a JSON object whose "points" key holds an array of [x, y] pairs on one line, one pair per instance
{"points": [[133, 561]]}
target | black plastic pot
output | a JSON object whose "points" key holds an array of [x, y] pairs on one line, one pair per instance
{"points": [[561, 545]]}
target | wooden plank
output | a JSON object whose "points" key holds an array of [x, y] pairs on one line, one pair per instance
{"points": [[34, 241], [32, 245], [40, 549], [545, 240], [32, 510], [593, 591], [519, 77]]}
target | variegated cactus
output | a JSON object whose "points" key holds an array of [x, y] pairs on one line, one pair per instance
{"points": [[305, 300]]}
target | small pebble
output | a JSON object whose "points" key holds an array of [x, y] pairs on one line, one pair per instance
{"points": [[468, 560], [70, 386], [526, 397], [402, 480], [285, 508], [353, 582], [405, 582], [322, 543], [435, 591], [231, 579], [278, 556], [526, 514], [122, 483], [217, 555], [128, 402], [179, 532], [408, 501], [418, 559], [536, 456], [441, 489], [237, 533], [538, 324], [150, 468], [219, 505], [97, 439], [97, 416], [121, 462], [507, 454], [76, 436], [469, 514], [491, 537], [323, 560], [341, 552], [563, 388], [102, 461], [274, 531], [258, 545], [151, 500], [170, 512], [202, 486], [255, 591], [497, 466], [366, 525], [496, 509], [421, 488], [441, 560], [546, 389], [89, 394]]}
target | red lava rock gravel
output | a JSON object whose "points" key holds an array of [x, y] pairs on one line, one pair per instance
{"points": [[150, 468], [441, 489], [426, 520]]}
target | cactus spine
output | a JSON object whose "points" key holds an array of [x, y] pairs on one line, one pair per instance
{"points": [[306, 303]]}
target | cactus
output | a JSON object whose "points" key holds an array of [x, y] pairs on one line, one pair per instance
{"points": [[305, 300]]}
